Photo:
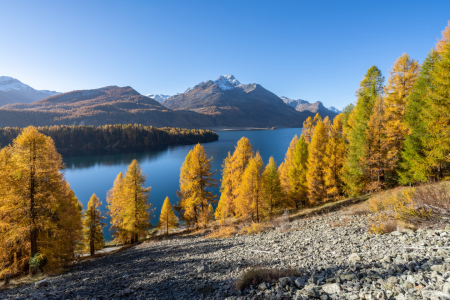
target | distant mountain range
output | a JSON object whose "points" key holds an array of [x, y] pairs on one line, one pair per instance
{"points": [[222, 102], [316, 107], [14, 91]]}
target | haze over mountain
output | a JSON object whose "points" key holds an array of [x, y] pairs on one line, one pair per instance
{"points": [[14, 91], [316, 107]]}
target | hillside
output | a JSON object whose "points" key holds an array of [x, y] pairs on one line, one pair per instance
{"points": [[234, 104], [108, 105], [351, 262], [14, 91]]}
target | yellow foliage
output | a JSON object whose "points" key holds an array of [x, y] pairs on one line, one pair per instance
{"points": [[445, 39], [39, 213], [224, 232], [254, 228], [167, 218], [92, 223]]}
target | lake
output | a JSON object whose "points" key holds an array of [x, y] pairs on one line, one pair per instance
{"points": [[95, 174]]}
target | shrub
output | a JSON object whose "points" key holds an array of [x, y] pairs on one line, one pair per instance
{"points": [[224, 232], [252, 228], [256, 276], [37, 262]]}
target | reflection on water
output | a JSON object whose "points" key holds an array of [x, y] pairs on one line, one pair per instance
{"points": [[95, 174]]}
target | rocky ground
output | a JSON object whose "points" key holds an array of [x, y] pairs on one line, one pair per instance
{"points": [[334, 254]]}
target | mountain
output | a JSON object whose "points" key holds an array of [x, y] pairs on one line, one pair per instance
{"points": [[231, 103], [316, 107], [14, 91], [108, 105], [158, 97]]}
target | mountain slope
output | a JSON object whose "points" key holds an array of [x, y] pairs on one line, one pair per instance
{"points": [[316, 107], [158, 97], [108, 105], [234, 104], [14, 91]]}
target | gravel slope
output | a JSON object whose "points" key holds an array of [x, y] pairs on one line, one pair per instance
{"points": [[334, 261]]}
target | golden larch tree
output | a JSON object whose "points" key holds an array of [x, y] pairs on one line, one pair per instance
{"points": [[93, 226], [137, 209], [38, 211], [167, 218], [286, 168], [249, 200], [334, 158], [272, 193], [444, 40], [316, 165], [297, 175], [225, 207], [196, 179], [400, 84], [116, 210]]}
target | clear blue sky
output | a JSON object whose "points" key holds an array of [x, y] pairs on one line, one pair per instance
{"points": [[313, 50]]}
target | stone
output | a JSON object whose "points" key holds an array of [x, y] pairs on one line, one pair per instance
{"points": [[354, 257], [285, 281], [41, 283], [438, 268], [262, 286], [300, 282], [331, 288], [438, 295], [446, 287]]}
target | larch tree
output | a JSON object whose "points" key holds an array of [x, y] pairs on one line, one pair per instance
{"points": [[297, 174], [238, 162], [167, 218], [400, 84], [93, 226], [225, 207], [444, 40], [286, 168], [272, 193], [316, 165], [376, 147], [436, 115], [249, 200], [334, 158], [34, 200], [414, 166], [196, 179], [116, 210], [354, 171], [137, 209]]}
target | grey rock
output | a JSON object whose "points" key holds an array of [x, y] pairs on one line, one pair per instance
{"points": [[331, 288], [41, 283], [354, 257]]}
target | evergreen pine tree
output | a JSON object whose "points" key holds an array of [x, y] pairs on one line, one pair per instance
{"points": [[354, 171], [414, 167]]}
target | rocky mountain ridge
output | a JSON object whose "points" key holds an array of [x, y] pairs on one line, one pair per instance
{"points": [[14, 91]]}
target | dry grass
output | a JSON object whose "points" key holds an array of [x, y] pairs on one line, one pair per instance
{"points": [[256, 276], [224, 232], [253, 228], [23, 280], [360, 209]]}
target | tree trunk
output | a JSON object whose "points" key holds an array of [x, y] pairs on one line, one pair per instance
{"points": [[33, 230]]}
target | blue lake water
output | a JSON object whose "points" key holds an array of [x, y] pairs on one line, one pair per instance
{"points": [[95, 174]]}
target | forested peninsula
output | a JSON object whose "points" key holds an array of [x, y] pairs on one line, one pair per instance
{"points": [[79, 139]]}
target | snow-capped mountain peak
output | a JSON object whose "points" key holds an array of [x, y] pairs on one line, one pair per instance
{"points": [[227, 82], [334, 109], [9, 83], [158, 97]]}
